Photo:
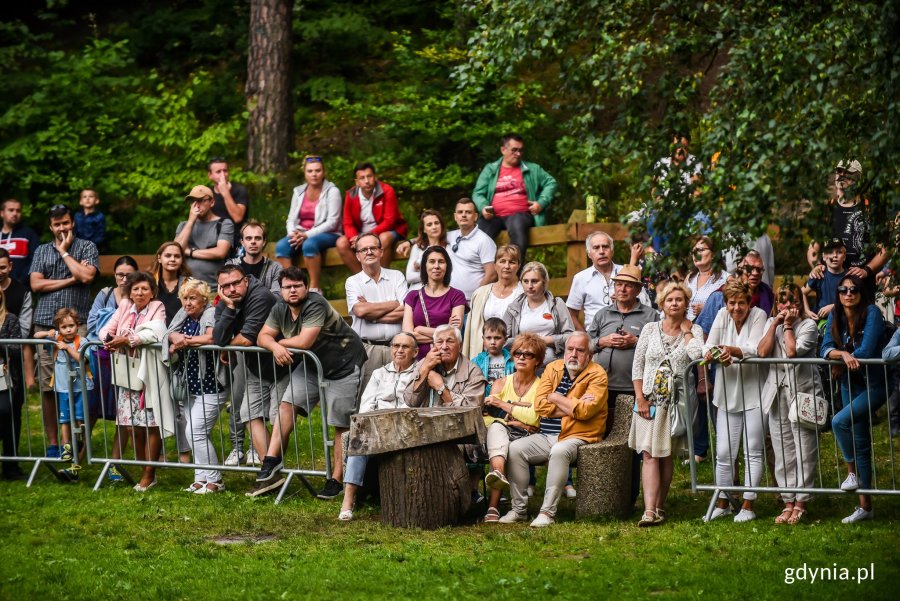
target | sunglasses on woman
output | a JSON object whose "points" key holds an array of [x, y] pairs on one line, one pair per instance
{"points": [[848, 289], [520, 354]]}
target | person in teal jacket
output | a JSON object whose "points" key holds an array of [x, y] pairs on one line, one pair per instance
{"points": [[512, 195]]}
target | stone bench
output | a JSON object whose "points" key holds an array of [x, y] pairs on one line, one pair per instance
{"points": [[604, 469]]}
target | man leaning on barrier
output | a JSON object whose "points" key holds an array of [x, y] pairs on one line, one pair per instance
{"points": [[244, 305], [305, 321]]}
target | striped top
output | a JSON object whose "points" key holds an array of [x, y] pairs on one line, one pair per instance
{"points": [[552, 426]]}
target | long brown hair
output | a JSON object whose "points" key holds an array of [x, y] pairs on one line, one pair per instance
{"points": [[422, 239], [156, 268]]}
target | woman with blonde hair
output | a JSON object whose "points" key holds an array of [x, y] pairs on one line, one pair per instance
{"points": [[492, 300], [536, 310], [204, 377], [664, 349]]}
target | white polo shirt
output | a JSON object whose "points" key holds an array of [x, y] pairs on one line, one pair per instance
{"points": [[471, 255], [391, 286]]}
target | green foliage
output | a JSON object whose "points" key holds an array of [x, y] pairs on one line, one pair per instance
{"points": [[88, 119], [782, 92]]}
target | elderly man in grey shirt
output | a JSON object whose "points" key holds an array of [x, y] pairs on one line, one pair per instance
{"points": [[615, 330]]}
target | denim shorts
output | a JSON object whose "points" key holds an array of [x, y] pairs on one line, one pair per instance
{"points": [[64, 416]]}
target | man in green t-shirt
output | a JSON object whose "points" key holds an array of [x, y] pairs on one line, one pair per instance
{"points": [[306, 321]]}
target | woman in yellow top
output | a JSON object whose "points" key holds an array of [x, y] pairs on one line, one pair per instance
{"points": [[510, 412]]}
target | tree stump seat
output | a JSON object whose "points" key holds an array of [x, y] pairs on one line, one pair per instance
{"points": [[422, 475]]}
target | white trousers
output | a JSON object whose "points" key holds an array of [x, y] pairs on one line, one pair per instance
{"points": [[732, 430]]}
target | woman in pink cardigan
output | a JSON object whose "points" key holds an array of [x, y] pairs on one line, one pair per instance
{"points": [[138, 321]]}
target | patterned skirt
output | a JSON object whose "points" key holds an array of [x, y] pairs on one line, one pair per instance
{"points": [[653, 436], [129, 412]]}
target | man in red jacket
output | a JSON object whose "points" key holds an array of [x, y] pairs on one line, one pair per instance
{"points": [[370, 207]]}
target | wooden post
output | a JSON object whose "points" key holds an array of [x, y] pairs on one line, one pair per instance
{"points": [[422, 475]]}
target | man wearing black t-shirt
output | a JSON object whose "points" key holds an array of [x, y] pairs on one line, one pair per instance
{"points": [[232, 201], [850, 223], [254, 262]]}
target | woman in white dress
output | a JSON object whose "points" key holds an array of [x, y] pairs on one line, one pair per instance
{"points": [[735, 335], [706, 277], [492, 300], [677, 340]]}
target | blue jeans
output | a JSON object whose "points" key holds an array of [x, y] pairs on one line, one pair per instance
{"points": [[356, 469], [851, 424], [312, 246], [64, 415]]}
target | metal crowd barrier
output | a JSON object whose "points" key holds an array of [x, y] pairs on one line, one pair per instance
{"points": [[830, 468], [18, 420], [306, 453]]}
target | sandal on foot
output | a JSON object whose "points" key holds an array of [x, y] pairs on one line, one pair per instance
{"points": [[648, 519], [785, 516], [210, 488], [660, 515], [345, 515], [195, 486], [492, 515], [796, 516]]}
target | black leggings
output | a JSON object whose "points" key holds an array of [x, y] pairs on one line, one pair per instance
{"points": [[10, 423]]}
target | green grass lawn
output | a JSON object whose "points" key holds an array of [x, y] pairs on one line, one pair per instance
{"points": [[64, 541]]}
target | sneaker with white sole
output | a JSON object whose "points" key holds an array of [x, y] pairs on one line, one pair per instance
{"points": [[571, 493], [513, 516], [851, 483], [744, 515], [542, 520], [234, 457], [252, 457], [66, 453], [269, 476], [717, 513], [859, 515]]}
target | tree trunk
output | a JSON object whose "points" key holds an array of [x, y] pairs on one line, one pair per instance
{"points": [[268, 87], [424, 487]]}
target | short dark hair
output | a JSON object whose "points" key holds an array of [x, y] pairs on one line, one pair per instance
{"points": [[423, 270], [138, 277], [4, 254], [255, 223], [505, 139], [126, 260], [362, 167], [293, 273], [213, 160], [494, 324], [228, 268], [60, 211], [682, 133], [3, 205], [465, 200]]}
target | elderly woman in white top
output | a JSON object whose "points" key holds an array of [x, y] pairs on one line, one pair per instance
{"points": [[384, 391], [791, 334], [735, 334], [677, 340]]}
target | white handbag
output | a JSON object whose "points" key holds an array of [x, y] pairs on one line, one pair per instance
{"points": [[808, 411], [4, 378], [125, 371]]}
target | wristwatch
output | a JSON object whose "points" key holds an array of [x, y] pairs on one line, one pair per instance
{"points": [[441, 390]]}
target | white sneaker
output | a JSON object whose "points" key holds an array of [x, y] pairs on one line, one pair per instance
{"points": [[571, 493], [512, 516], [345, 515], [851, 483], [859, 515], [252, 457], [717, 513], [542, 520], [744, 515], [234, 457], [530, 490]]}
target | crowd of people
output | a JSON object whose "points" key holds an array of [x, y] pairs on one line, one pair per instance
{"points": [[469, 324]]}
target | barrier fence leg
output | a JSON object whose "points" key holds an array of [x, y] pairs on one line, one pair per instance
{"points": [[712, 505]]}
